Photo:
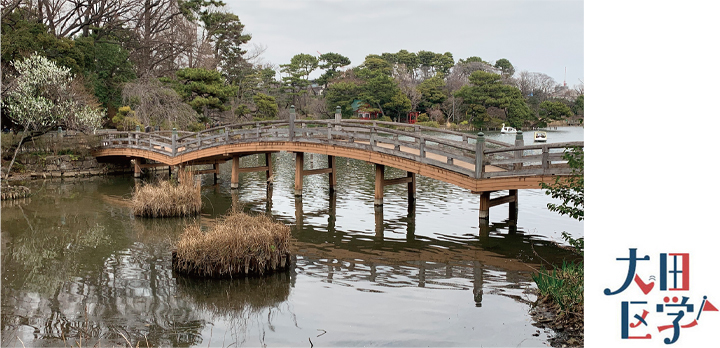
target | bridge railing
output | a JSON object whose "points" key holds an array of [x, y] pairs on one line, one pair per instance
{"points": [[455, 151], [541, 159]]}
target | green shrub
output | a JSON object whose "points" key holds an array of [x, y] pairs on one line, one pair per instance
{"points": [[564, 285], [433, 124], [423, 118], [196, 127]]}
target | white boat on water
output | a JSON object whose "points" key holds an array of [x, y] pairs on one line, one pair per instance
{"points": [[540, 137], [507, 130]]}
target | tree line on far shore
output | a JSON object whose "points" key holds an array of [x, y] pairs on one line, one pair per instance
{"points": [[189, 63]]}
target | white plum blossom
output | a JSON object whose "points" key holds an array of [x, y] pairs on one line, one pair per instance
{"points": [[42, 97]]}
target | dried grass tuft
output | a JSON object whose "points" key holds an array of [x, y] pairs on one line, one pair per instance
{"points": [[167, 199], [237, 244]]}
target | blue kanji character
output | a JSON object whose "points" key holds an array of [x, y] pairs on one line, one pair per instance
{"points": [[631, 271], [626, 325], [679, 315]]}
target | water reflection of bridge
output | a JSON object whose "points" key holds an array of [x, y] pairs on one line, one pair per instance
{"points": [[499, 250], [85, 269], [475, 163]]}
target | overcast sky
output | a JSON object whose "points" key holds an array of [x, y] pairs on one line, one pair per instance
{"points": [[543, 36]]}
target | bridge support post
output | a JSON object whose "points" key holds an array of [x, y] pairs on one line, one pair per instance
{"points": [[485, 205], [298, 213], [513, 213], [332, 177], [269, 171], [379, 183], [216, 171], [412, 187], [234, 175], [269, 203], [299, 163], [138, 170]]}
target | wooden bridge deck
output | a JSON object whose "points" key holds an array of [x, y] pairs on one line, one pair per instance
{"points": [[475, 163], [440, 154]]}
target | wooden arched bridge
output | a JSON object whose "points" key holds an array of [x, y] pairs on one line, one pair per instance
{"points": [[472, 162]]}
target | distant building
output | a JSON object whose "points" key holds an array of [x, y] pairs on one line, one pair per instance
{"points": [[364, 111]]}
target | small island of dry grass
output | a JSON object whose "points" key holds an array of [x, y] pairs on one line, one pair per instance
{"points": [[237, 245], [167, 199]]}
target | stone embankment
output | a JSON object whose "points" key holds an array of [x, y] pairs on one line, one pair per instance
{"points": [[33, 166]]}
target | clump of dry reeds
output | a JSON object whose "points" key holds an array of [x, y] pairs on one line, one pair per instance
{"points": [[167, 199], [237, 244], [14, 192]]}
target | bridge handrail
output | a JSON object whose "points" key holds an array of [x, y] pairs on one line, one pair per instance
{"points": [[538, 147], [389, 131], [372, 135]]}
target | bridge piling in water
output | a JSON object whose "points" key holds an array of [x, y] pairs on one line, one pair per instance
{"points": [[236, 170], [300, 172], [299, 162], [138, 170], [486, 203], [381, 182], [234, 179]]}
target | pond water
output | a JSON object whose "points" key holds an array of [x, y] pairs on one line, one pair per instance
{"points": [[78, 269]]}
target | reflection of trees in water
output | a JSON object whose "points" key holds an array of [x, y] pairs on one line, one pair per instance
{"points": [[130, 293], [243, 302], [78, 273]]}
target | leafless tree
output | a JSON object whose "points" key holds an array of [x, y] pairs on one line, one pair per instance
{"points": [[539, 84], [525, 82], [451, 107], [8, 6], [408, 84], [161, 37], [68, 18], [580, 89]]}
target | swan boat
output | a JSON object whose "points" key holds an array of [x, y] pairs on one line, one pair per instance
{"points": [[507, 130]]}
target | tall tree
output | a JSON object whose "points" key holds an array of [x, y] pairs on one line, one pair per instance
{"points": [[398, 105], [487, 90], [506, 68], [106, 67], [378, 90], [342, 94], [432, 92], [331, 62], [298, 74], [266, 106], [225, 32], [375, 64], [203, 89], [552, 111]]}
